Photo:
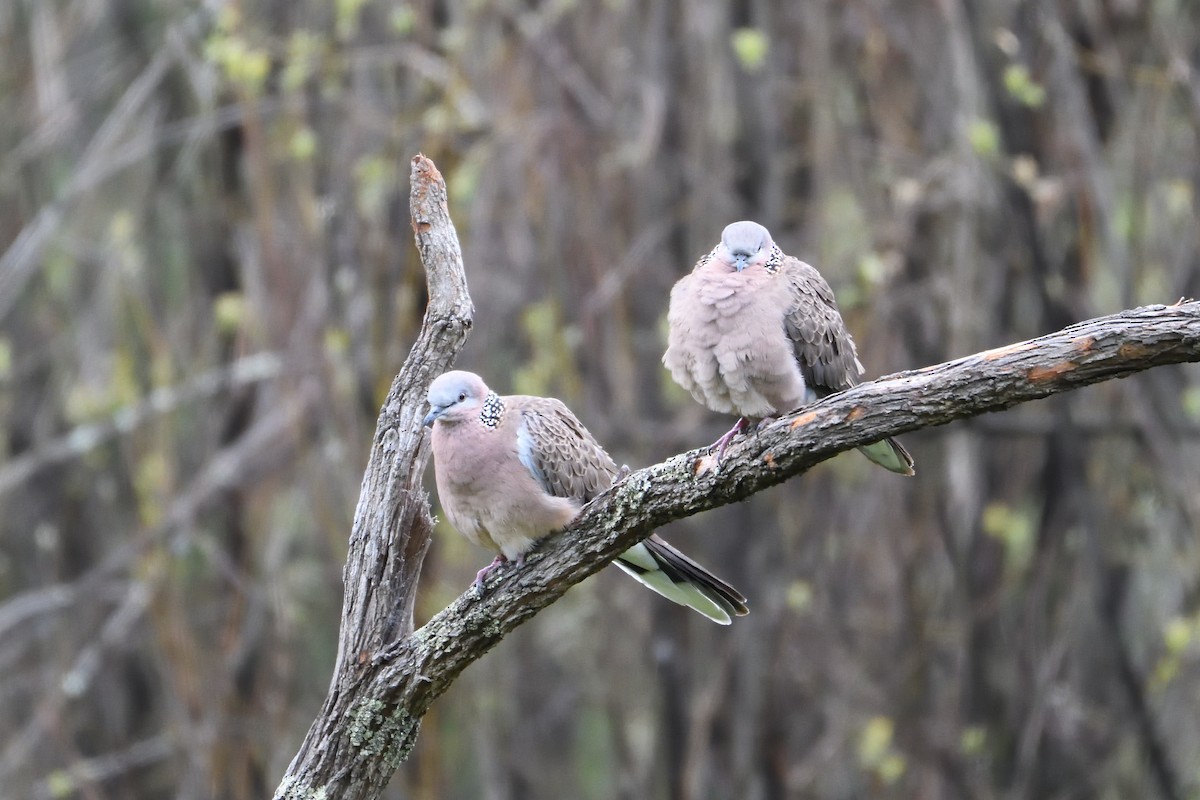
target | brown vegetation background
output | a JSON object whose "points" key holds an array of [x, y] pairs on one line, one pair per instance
{"points": [[207, 282]]}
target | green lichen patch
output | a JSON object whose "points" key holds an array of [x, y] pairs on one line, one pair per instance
{"points": [[389, 735], [292, 788]]}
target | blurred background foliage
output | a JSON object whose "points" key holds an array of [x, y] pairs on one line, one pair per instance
{"points": [[207, 282]]}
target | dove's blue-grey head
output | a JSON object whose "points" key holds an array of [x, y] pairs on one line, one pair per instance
{"points": [[454, 396], [744, 244]]}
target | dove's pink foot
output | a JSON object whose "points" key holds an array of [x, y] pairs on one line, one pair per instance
{"points": [[720, 444], [497, 562], [481, 576]]}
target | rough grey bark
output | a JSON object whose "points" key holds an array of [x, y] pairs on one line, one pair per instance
{"points": [[349, 750], [387, 674]]}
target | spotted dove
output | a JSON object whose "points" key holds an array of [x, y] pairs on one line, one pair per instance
{"points": [[757, 333], [511, 470]]}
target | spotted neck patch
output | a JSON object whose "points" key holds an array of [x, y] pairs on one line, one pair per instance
{"points": [[493, 409], [774, 261]]}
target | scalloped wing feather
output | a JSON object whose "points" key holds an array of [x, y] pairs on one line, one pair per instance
{"points": [[561, 454], [823, 346]]}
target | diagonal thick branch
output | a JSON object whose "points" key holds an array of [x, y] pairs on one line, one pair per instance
{"points": [[1089, 352], [387, 674]]}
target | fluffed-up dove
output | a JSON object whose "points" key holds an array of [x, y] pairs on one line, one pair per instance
{"points": [[757, 333], [511, 470]]}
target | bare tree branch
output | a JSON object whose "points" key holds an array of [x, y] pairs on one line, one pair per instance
{"points": [[392, 529], [387, 675]]}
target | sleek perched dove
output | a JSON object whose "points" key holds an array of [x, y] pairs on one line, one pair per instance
{"points": [[757, 333], [511, 470]]}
